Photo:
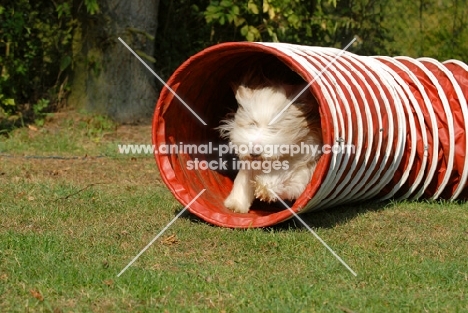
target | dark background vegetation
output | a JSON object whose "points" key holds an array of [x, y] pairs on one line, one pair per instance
{"points": [[66, 53]]}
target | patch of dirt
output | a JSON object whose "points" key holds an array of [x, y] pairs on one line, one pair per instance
{"points": [[88, 170], [81, 169]]}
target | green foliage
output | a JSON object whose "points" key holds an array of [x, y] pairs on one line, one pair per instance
{"points": [[381, 27], [35, 54], [39, 109], [182, 32], [328, 23], [430, 28], [34, 47], [423, 28], [92, 7]]}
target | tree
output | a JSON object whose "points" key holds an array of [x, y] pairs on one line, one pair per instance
{"points": [[108, 79]]}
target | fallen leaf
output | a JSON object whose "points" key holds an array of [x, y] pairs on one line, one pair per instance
{"points": [[108, 282], [170, 240], [36, 294], [32, 127]]}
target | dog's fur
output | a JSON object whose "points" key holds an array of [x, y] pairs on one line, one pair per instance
{"points": [[258, 104]]}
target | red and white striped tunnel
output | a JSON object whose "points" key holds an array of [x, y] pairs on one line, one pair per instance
{"points": [[407, 119]]}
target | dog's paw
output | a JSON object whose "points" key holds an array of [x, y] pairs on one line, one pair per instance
{"points": [[264, 192], [236, 205]]}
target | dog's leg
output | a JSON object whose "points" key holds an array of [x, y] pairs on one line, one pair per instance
{"points": [[293, 187], [242, 195], [287, 187]]}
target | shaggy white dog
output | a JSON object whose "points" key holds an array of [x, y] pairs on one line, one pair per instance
{"points": [[251, 126]]}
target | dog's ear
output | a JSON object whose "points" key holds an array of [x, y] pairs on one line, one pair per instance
{"points": [[243, 93]]}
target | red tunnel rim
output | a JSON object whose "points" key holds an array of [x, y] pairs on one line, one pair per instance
{"points": [[184, 196]]}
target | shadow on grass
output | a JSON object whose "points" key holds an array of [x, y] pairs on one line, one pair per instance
{"points": [[331, 217], [327, 218]]}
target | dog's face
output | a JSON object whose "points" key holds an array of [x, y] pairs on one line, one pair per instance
{"points": [[266, 118]]}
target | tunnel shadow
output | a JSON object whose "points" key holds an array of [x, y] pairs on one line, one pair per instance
{"points": [[327, 218], [330, 217]]}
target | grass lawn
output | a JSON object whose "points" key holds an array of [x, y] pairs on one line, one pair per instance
{"points": [[69, 225]]}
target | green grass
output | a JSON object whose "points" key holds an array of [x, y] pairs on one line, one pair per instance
{"points": [[63, 241], [68, 133]]}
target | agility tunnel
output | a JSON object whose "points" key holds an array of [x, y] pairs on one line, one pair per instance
{"points": [[406, 118]]}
